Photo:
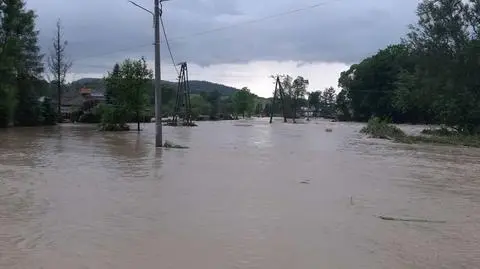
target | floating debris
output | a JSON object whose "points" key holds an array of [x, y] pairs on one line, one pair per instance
{"points": [[410, 220], [171, 145]]}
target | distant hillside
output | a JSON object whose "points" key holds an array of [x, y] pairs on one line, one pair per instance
{"points": [[205, 86], [196, 86]]}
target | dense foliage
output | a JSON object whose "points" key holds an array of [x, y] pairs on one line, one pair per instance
{"points": [[243, 102], [127, 94], [20, 68], [431, 77]]}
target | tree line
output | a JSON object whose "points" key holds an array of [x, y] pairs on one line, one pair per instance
{"points": [[129, 97], [430, 77]]}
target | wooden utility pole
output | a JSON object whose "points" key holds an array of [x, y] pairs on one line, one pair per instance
{"points": [[278, 91]]}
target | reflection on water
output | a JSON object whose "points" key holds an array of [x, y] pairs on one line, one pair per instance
{"points": [[71, 197]]}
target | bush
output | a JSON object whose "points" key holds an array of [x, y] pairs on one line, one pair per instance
{"points": [[90, 118], [49, 115], [113, 118], [378, 128]]}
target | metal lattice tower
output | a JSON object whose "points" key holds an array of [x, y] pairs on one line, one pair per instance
{"points": [[182, 115]]}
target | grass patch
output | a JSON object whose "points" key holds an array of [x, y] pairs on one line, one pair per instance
{"points": [[382, 129], [447, 136]]}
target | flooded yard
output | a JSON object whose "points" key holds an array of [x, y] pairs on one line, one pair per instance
{"points": [[244, 195]]}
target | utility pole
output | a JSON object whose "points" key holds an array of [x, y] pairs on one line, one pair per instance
{"points": [[158, 90]]}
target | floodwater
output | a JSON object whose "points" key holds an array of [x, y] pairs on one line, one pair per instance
{"points": [[245, 195]]}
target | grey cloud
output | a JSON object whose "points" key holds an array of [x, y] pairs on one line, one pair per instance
{"points": [[101, 33]]}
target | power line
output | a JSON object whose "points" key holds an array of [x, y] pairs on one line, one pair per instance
{"points": [[257, 20], [168, 46], [218, 29], [113, 52]]}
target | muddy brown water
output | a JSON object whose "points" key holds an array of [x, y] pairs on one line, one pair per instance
{"points": [[71, 197]]}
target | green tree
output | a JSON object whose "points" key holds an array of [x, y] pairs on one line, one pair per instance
{"points": [[129, 92], [28, 111], [200, 106], [109, 91], [49, 116], [327, 102], [445, 41], [8, 102], [298, 92], [342, 104], [370, 85], [20, 63], [314, 101], [213, 98], [244, 102]]}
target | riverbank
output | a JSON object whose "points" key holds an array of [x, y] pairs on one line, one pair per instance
{"points": [[377, 128]]}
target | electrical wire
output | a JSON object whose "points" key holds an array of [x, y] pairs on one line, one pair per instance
{"points": [[218, 29], [256, 20], [168, 46]]}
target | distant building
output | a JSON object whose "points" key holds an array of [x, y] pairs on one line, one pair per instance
{"points": [[91, 99], [91, 95]]}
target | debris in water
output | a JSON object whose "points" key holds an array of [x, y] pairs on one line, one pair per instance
{"points": [[169, 144], [328, 130], [305, 182], [410, 220]]}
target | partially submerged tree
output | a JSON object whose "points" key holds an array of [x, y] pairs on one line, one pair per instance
{"points": [[244, 102], [59, 64], [128, 88], [299, 90], [327, 102], [314, 102]]}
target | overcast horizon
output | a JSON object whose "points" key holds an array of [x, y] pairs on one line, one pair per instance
{"points": [[317, 42]]}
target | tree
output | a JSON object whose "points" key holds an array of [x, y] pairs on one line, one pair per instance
{"points": [[20, 62], [213, 98], [445, 41], [200, 106], [28, 111], [109, 90], [370, 85], [49, 116], [59, 64], [299, 89], [432, 77], [327, 102], [129, 93], [314, 101], [243, 101], [342, 104]]}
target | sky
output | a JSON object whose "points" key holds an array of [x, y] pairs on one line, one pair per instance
{"points": [[239, 43]]}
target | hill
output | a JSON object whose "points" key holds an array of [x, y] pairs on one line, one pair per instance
{"points": [[196, 86]]}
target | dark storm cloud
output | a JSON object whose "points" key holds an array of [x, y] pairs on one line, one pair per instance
{"points": [[101, 32]]}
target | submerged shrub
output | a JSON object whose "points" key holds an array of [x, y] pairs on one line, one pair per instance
{"points": [[378, 128]]}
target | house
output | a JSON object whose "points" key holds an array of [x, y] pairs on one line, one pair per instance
{"points": [[91, 99]]}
